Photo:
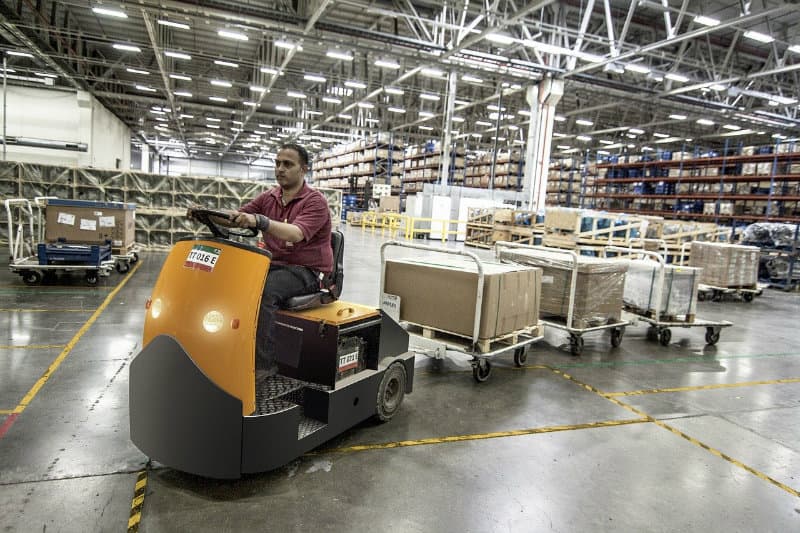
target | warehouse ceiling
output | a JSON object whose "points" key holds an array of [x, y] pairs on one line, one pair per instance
{"points": [[235, 79]]}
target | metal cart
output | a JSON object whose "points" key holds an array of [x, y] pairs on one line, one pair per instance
{"points": [[659, 328], [616, 329], [25, 262], [437, 347], [124, 260]]}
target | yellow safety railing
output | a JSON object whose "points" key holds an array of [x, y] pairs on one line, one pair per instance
{"points": [[443, 226], [390, 223]]}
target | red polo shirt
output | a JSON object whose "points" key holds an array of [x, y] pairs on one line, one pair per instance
{"points": [[308, 210]]}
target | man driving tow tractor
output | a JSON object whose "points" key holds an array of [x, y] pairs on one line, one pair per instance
{"points": [[295, 224]]}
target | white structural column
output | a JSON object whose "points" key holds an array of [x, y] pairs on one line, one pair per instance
{"points": [[447, 124], [144, 165], [543, 99]]}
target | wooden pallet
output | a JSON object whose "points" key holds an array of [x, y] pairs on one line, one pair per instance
{"points": [[483, 345]]}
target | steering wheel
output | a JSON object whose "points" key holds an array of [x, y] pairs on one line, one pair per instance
{"points": [[204, 215]]}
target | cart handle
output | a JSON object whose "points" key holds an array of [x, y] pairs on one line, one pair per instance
{"points": [[479, 297], [570, 253]]}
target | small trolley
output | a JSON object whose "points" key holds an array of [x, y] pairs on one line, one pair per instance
{"points": [[717, 294], [659, 326], [435, 342], [26, 260], [616, 328]]}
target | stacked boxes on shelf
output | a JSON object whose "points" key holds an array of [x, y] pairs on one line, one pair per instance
{"points": [[508, 171], [422, 166]]}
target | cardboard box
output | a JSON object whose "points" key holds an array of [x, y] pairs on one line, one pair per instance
{"points": [[85, 222], [725, 265], [599, 285], [441, 293], [678, 293], [390, 204]]}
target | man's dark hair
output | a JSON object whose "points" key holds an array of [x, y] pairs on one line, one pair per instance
{"points": [[300, 151]]}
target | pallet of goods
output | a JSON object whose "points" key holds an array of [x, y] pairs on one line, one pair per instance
{"points": [[678, 299], [726, 266], [590, 230]]}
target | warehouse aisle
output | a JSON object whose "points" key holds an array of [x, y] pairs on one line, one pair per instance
{"points": [[638, 438]]}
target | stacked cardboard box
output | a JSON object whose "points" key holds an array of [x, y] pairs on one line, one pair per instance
{"points": [[599, 285], [725, 265], [442, 293], [85, 222], [678, 293]]}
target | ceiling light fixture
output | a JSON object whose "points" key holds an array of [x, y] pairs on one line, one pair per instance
{"points": [[336, 54], [235, 35], [213, 119], [145, 88], [661, 135], [393, 90], [269, 70], [18, 54], [221, 83], [314, 77], [177, 55], [431, 72], [286, 45], [172, 24], [395, 110], [225, 63], [731, 127], [345, 116], [137, 71], [483, 123], [584, 122], [678, 117], [471, 79], [110, 12], [284, 108], [126, 47], [331, 100], [386, 63], [559, 118], [295, 94], [185, 94], [180, 77], [757, 36], [428, 96], [676, 77], [366, 105], [705, 122], [706, 21], [636, 131], [638, 68], [584, 138], [258, 89], [355, 84], [500, 38], [219, 99]]}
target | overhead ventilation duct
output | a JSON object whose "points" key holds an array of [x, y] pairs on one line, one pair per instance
{"points": [[46, 143]]}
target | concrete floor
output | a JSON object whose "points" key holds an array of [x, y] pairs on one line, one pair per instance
{"points": [[693, 438]]}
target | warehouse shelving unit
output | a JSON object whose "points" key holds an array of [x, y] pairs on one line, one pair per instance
{"points": [[160, 200], [420, 167], [730, 189], [508, 168], [353, 168]]}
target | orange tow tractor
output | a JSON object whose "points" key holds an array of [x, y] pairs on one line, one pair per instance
{"points": [[195, 403]]}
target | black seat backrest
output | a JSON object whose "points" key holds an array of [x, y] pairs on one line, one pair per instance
{"points": [[336, 278]]}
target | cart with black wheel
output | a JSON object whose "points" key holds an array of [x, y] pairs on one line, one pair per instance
{"points": [[124, 258], [660, 325], [435, 343], [26, 256], [616, 328], [716, 293]]}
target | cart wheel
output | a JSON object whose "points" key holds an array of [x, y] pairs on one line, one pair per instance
{"points": [[520, 356], [481, 370], [664, 337], [576, 344], [712, 336], [701, 296], [134, 258], [31, 277], [652, 333], [717, 296], [391, 392], [122, 266], [616, 337], [92, 277], [747, 297]]}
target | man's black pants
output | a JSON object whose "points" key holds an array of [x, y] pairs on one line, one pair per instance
{"points": [[283, 282]]}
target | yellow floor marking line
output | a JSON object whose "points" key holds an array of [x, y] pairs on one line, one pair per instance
{"points": [[71, 344], [680, 433], [703, 387], [20, 310], [6, 411], [478, 436], [30, 346], [137, 504]]}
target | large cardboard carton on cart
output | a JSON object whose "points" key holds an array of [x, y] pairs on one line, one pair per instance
{"points": [[441, 294], [599, 285], [85, 222], [726, 265], [678, 291]]}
